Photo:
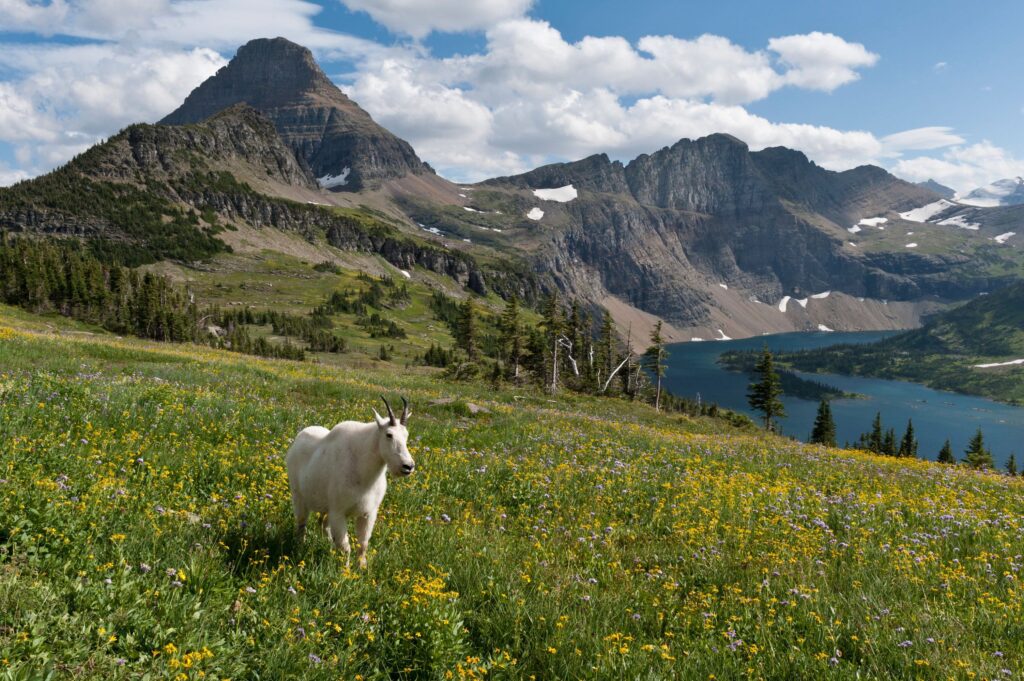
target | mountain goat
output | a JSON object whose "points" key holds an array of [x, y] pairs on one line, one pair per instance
{"points": [[340, 473]]}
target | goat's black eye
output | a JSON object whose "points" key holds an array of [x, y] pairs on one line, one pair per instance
{"points": [[390, 435]]}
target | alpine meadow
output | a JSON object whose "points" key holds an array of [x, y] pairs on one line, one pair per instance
{"points": [[510, 340]]}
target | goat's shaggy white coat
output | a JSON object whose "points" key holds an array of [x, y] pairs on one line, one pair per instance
{"points": [[340, 473]]}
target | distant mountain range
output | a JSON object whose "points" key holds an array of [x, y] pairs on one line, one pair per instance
{"points": [[715, 239], [1008, 192]]}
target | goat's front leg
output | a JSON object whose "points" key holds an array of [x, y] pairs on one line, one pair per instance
{"points": [[339, 534], [364, 529]]}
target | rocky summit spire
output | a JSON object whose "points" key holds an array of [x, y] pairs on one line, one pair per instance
{"points": [[339, 141]]}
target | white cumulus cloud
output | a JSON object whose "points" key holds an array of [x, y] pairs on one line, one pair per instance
{"points": [[419, 18], [820, 61], [75, 95]]}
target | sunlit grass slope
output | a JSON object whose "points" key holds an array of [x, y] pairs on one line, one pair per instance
{"points": [[145, 532]]}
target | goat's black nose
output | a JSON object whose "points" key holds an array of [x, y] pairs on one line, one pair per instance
{"points": [[407, 467]]}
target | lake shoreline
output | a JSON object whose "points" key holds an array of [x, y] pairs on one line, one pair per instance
{"points": [[694, 372], [940, 389]]}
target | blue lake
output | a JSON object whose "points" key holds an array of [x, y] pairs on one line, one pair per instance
{"points": [[937, 415]]}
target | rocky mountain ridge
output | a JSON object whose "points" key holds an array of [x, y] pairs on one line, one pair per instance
{"points": [[156, 192], [711, 237]]}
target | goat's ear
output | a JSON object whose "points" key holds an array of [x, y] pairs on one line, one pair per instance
{"points": [[381, 421]]}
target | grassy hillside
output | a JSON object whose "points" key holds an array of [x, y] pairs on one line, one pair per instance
{"points": [[944, 352], [145, 530]]}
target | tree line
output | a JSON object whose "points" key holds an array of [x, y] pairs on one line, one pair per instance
{"points": [[55, 276]]}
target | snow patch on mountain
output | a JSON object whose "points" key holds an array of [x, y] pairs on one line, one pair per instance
{"points": [[560, 194], [535, 213], [1006, 192], [961, 222], [329, 181], [926, 212]]}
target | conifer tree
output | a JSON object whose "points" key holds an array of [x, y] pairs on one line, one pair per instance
{"points": [[1011, 465], [976, 455], [824, 431], [576, 326], [908, 445], [605, 352], [553, 326], [946, 454], [875, 438], [654, 360], [889, 443], [468, 332], [764, 394], [513, 343]]}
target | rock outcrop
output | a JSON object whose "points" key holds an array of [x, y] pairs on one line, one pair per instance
{"points": [[238, 138]]}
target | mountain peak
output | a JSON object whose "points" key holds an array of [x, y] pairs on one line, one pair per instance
{"points": [[940, 189], [264, 73], [326, 129], [280, 62]]}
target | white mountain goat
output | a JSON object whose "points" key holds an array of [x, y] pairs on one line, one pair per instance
{"points": [[340, 473]]}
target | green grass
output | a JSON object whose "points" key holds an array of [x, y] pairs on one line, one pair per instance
{"points": [[272, 280], [145, 532]]}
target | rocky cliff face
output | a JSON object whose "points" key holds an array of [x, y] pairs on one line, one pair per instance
{"points": [[677, 232], [325, 129]]}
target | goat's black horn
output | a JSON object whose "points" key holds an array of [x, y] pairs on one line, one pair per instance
{"points": [[405, 410], [391, 414]]}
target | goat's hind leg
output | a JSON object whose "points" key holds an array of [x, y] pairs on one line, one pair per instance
{"points": [[301, 516]]}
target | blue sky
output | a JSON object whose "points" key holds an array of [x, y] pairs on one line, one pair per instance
{"points": [[925, 89]]}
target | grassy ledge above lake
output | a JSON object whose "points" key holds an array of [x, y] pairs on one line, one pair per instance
{"points": [[145, 531]]}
